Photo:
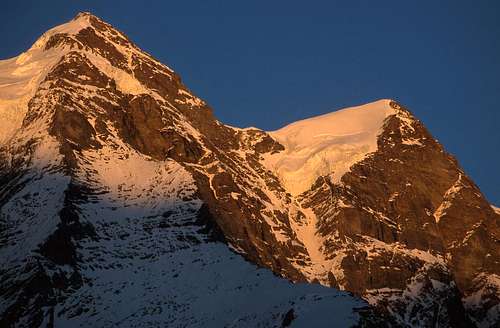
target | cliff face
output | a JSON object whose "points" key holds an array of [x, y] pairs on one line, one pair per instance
{"points": [[111, 166], [407, 223]]}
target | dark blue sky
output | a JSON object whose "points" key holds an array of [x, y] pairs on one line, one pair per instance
{"points": [[268, 63]]}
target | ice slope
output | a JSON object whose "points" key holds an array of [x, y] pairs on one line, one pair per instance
{"points": [[326, 145]]}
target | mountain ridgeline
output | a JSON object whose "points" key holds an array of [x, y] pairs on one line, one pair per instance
{"points": [[125, 202]]}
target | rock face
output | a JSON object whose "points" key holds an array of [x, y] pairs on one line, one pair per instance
{"points": [[110, 168], [407, 223]]}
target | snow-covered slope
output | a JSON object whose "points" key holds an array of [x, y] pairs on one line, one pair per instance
{"points": [[204, 285], [21, 75], [326, 145], [94, 230]]}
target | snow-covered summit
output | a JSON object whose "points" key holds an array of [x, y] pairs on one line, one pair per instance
{"points": [[328, 144], [81, 21], [102, 45], [21, 75]]}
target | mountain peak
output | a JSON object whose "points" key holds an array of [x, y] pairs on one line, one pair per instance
{"points": [[322, 142], [84, 15], [104, 153], [81, 32], [86, 19], [84, 39], [72, 27]]}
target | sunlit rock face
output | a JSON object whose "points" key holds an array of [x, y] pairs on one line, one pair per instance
{"points": [[120, 193]]}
